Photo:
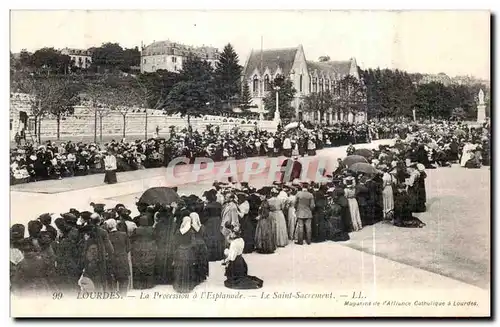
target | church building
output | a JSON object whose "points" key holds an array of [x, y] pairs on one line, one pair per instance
{"points": [[307, 77]]}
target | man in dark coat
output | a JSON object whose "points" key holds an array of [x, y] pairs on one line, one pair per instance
{"points": [[68, 255], [304, 205], [97, 249]]}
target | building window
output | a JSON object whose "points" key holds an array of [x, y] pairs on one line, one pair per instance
{"points": [[255, 84], [300, 83], [321, 89], [310, 82], [174, 59], [315, 85], [267, 85], [144, 60]]}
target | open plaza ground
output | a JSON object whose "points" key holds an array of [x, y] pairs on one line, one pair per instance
{"points": [[451, 252]]}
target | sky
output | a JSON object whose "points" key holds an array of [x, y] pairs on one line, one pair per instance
{"points": [[452, 42]]}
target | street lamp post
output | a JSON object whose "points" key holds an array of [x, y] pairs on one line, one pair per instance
{"points": [[277, 116]]}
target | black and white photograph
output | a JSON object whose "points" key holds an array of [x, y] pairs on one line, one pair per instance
{"points": [[246, 163]]}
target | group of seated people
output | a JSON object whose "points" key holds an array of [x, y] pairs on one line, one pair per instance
{"points": [[66, 159]]}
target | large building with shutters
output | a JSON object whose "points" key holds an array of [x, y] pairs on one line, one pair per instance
{"points": [[307, 77], [170, 56]]}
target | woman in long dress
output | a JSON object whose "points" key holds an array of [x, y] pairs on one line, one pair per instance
{"points": [[119, 259], [334, 224], [276, 214], [319, 224], [420, 188], [249, 223], [110, 169], [350, 194], [200, 248], [387, 195], [265, 235], [402, 209], [143, 255], [211, 220], [292, 216], [185, 279], [164, 236], [236, 268]]}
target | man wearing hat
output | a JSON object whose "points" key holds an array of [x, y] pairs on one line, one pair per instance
{"points": [[304, 205], [46, 220]]}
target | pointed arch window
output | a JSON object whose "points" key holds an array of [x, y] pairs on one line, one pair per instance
{"points": [[315, 85], [267, 84], [300, 83], [255, 84], [321, 89]]}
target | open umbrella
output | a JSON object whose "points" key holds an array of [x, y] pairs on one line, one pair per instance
{"points": [[367, 153], [352, 159], [159, 195], [363, 167], [291, 125]]}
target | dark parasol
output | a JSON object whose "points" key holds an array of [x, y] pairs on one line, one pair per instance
{"points": [[352, 159], [159, 195], [367, 153], [363, 167]]}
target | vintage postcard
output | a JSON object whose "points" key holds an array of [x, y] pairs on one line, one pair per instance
{"points": [[250, 163]]}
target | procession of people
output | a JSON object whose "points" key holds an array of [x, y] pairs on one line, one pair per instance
{"points": [[172, 242], [30, 163]]}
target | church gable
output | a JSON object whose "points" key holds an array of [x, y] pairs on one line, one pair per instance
{"points": [[271, 59]]}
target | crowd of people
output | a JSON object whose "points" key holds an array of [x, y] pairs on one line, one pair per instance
{"points": [[30, 163], [173, 243]]}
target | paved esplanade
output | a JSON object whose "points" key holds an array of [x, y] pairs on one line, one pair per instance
{"points": [[448, 257]]}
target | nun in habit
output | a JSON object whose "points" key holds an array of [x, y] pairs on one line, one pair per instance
{"points": [[110, 168]]}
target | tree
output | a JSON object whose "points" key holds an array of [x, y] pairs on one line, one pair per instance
{"points": [[245, 97], [131, 58], [49, 60], [147, 97], [389, 93], [458, 114], [286, 94], [157, 85], [351, 95], [320, 102], [49, 96], [95, 93], [228, 76], [434, 100], [107, 57], [26, 60], [189, 99], [64, 98], [196, 70], [324, 59], [195, 93]]}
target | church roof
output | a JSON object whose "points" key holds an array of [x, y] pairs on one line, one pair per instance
{"points": [[272, 59], [330, 67]]}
